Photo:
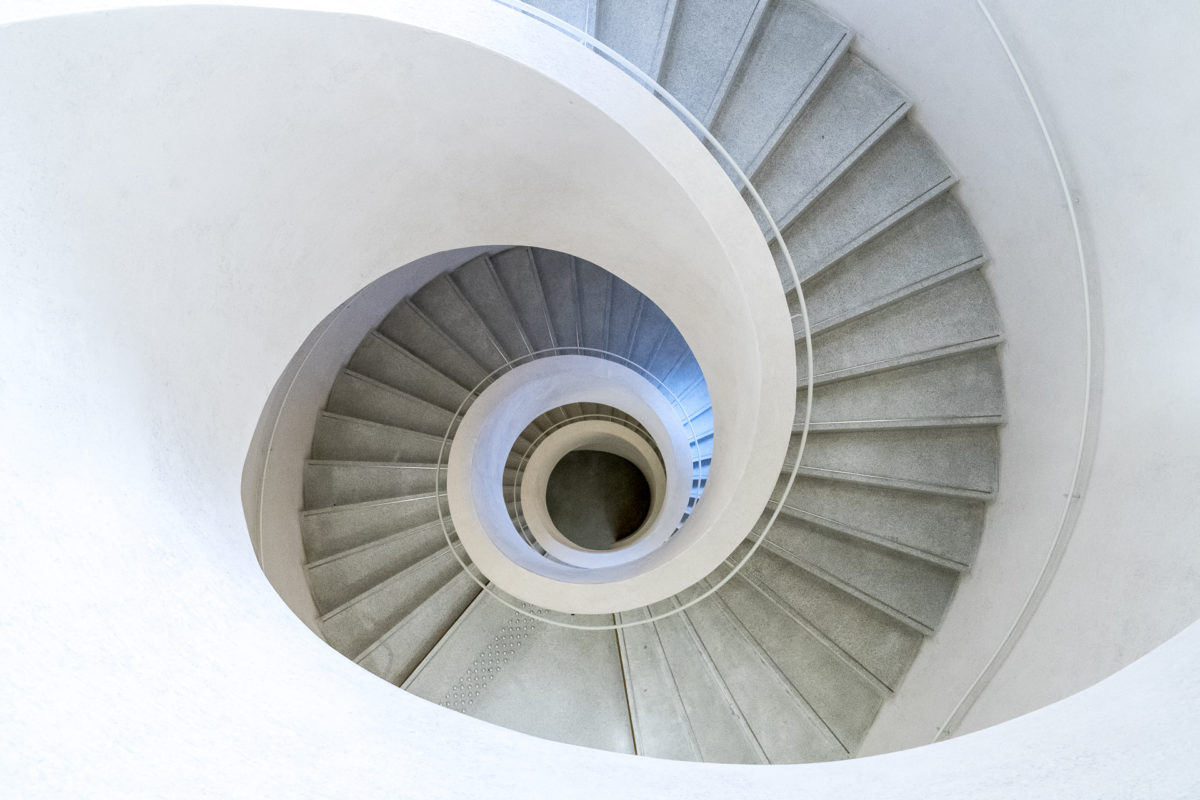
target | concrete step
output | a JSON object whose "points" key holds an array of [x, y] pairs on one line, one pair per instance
{"points": [[933, 241], [338, 580], [913, 588], [595, 298], [409, 327], [945, 530], [625, 306], [669, 660], [781, 607], [519, 278], [335, 483], [505, 668], [556, 273], [826, 378], [443, 303], [395, 654], [633, 28], [881, 644], [845, 702], [784, 724], [341, 438], [381, 359], [672, 351], [853, 109], [478, 283], [359, 624], [898, 174], [950, 461], [957, 311], [653, 328], [328, 532], [707, 40], [659, 718], [963, 387], [794, 50], [355, 395]]}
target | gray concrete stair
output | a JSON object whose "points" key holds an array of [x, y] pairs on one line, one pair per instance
{"points": [[335, 483], [791, 56], [791, 660]]}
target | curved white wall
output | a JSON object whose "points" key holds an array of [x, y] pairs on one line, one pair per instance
{"points": [[145, 653]]}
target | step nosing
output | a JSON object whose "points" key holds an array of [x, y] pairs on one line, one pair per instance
{"points": [[365, 546], [869, 677], [360, 421], [790, 689], [363, 504], [402, 623], [840, 583], [879, 227], [843, 167], [884, 301], [334, 462], [441, 552], [869, 537], [839, 50], [902, 423], [387, 387], [894, 483], [899, 362], [417, 360]]}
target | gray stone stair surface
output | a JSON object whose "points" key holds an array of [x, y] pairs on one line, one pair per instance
{"points": [[335, 483], [504, 667], [792, 659], [795, 48]]}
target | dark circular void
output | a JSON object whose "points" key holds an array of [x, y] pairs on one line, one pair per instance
{"points": [[596, 499]]}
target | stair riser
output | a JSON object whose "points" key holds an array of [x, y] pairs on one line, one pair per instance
{"points": [[332, 532], [338, 484]]}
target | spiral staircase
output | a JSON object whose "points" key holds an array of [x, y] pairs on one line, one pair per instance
{"points": [[789, 657], [189, 189]]}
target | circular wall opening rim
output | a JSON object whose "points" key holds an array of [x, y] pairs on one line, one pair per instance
{"points": [[607, 437]]}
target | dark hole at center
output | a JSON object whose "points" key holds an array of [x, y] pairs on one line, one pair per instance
{"points": [[596, 499]]}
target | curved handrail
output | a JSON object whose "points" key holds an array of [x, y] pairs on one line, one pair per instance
{"points": [[509, 365], [757, 206]]}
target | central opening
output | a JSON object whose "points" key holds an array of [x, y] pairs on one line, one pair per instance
{"points": [[596, 499]]}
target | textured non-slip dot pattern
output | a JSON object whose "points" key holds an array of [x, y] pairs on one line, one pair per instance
{"points": [[489, 663]]}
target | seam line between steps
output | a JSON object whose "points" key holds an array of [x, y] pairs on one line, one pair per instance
{"points": [[891, 298], [849, 531], [848, 588], [773, 669], [837, 650]]}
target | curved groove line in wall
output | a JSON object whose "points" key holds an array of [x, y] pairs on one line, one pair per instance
{"points": [[1085, 453]]}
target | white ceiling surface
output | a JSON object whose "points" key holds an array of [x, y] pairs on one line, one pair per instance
{"points": [[145, 654]]}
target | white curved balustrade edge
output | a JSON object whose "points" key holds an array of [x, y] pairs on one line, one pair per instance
{"points": [[601, 436], [478, 507], [641, 251]]}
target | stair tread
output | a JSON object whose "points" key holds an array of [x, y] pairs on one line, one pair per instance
{"points": [[849, 588]]}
